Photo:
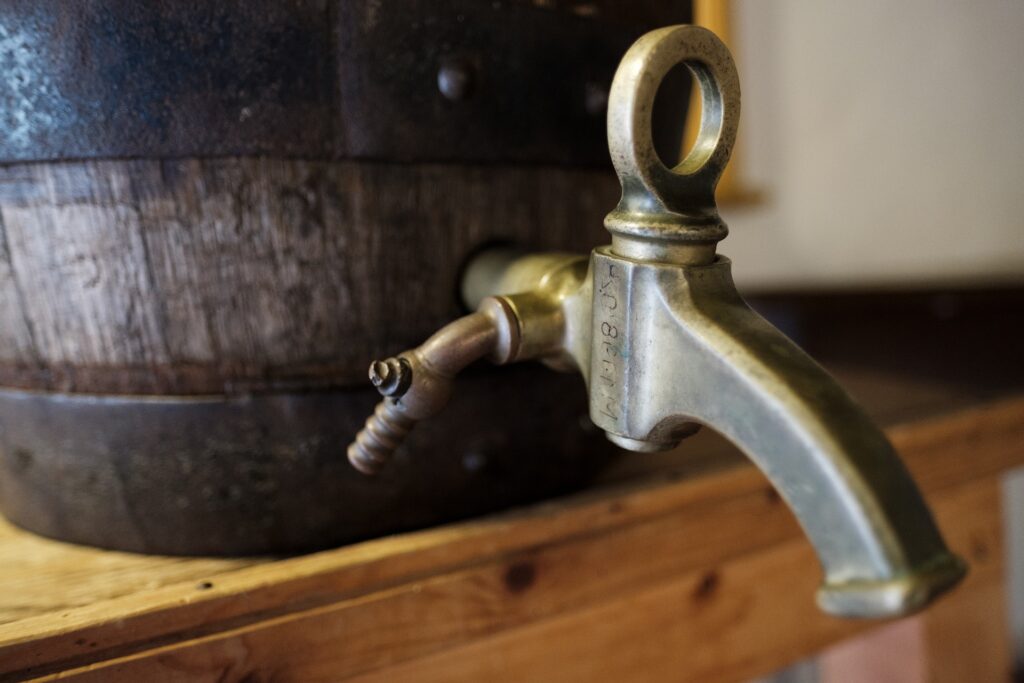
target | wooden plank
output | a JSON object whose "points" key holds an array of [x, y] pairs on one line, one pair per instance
{"points": [[974, 443], [715, 509], [209, 275], [364, 567], [360, 569], [15, 332], [757, 618], [42, 576], [644, 603]]}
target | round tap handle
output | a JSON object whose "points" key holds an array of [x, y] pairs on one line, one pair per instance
{"points": [[658, 203]]}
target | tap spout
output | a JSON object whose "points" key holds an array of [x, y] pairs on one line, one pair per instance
{"points": [[690, 351]]}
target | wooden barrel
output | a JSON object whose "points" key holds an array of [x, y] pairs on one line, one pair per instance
{"points": [[214, 215]]}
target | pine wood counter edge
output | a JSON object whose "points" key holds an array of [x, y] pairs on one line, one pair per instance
{"points": [[941, 452]]}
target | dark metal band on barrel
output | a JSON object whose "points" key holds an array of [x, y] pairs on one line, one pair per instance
{"points": [[437, 80]]}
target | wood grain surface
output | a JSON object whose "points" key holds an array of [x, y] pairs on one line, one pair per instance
{"points": [[205, 276], [41, 576], [705, 574]]}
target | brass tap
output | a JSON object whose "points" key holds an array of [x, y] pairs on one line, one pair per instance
{"points": [[665, 343]]}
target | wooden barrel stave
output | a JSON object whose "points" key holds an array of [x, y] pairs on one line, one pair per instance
{"points": [[236, 275]]}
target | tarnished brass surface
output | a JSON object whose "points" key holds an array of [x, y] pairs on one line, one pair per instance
{"points": [[670, 214], [417, 384], [666, 344]]}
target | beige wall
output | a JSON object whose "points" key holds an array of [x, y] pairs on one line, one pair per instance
{"points": [[887, 138]]}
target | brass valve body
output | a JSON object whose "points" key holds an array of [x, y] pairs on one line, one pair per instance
{"points": [[665, 343]]}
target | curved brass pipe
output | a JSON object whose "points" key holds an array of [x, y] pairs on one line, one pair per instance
{"points": [[418, 383]]}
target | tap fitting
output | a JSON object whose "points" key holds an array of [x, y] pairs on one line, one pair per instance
{"points": [[665, 343], [417, 383]]}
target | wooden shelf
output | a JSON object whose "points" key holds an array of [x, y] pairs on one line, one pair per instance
{"points": [[686, 564]]}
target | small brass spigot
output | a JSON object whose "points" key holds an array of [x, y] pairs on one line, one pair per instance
{"points": [[418, 383], [665, 344]]}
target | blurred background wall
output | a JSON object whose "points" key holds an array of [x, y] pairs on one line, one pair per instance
{"points": [[884, 140]]}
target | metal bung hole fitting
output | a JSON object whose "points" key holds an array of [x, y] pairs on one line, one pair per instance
{"points": [[660, 204]]}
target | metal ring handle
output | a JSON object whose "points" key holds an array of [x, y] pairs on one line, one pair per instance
{"points": [[649, 187]]}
